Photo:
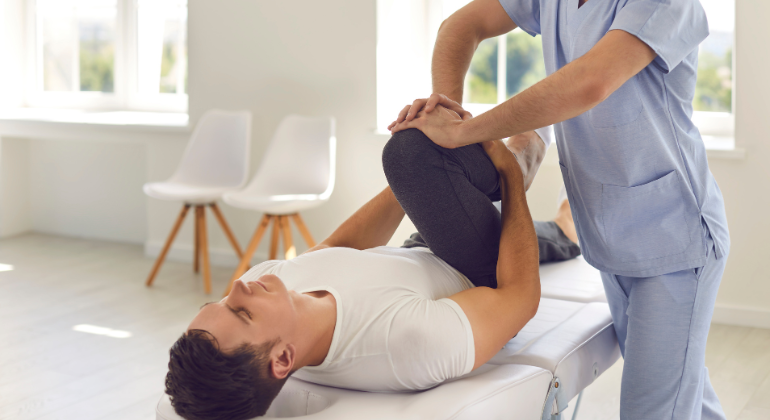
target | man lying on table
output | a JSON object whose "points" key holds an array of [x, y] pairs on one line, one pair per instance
{"points": [[354, 313]]}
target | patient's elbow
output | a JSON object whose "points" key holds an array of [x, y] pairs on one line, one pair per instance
{"points": [[534, 306], [533, 300]]}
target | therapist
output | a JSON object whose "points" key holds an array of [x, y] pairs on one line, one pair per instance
{"points": [[649, 214]]}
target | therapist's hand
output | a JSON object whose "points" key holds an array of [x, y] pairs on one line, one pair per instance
{"points": [[441, 125], [429, 104]]}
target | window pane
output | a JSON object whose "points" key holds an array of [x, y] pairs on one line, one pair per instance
{"points": [[58, 53], [162, 46], [524, 62], [714, 88], [481, 82], [97, 54], [78, 44]]}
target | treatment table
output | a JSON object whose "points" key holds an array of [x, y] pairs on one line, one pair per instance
{"points": [[562, 350]]}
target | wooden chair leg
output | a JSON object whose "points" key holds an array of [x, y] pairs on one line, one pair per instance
{"points": [[169, 241], [288, 245], [204, 247], [303, 230], [252, 247], [274, 239], [226, 229], [197, 241]]}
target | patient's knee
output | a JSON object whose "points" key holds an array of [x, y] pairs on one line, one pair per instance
{"points": [[405, 151]]}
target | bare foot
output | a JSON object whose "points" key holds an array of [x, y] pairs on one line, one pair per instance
{"points": [[530, 151], [564, 220]]}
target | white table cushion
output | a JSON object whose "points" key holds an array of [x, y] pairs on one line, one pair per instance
{"points": [[573, 280], [192, 194], [491, 392], [575, 341]]}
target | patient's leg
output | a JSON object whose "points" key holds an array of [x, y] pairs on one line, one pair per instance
{"points": [[448, 195]]}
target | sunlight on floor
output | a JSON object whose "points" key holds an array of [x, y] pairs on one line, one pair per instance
{"points": [[109, 332]]}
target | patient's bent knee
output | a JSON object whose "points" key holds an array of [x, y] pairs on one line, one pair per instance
{"points": [[406, 151]]}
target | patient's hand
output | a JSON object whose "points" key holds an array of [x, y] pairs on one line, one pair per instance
{"points": [[500, 154], [530, 151]]}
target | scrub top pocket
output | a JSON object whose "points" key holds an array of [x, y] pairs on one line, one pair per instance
{"points": [[647, 221]]}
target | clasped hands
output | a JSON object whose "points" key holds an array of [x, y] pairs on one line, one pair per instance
{"points": [[441, 119], [438, 117]]}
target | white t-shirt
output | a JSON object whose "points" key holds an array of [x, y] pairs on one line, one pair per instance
{"points": [[395, 329]]}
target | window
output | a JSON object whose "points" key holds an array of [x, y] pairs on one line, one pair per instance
{"points": [[502, 67], [108, 54]]}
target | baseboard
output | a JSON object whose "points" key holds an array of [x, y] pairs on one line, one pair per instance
{"points": [[220, 257], [742, 316]]}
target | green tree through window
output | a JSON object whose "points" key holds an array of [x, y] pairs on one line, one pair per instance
{"points": [[524, 67]]}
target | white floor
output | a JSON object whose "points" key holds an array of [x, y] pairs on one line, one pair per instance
{"points": [[48, 371]]}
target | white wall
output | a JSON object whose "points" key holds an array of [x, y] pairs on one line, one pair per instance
{"points": [[15, 210], [88, 188]]}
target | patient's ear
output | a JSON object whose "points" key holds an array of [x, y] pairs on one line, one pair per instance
{"points": [[282, 363]]}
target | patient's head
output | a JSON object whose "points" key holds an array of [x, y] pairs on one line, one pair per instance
{"points": [[236, 354]]}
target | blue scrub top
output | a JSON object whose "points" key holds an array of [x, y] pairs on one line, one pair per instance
{"points": [[635, 166]]}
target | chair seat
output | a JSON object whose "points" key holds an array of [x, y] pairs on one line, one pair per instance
{"points": [[192, 194], [274, 204]]}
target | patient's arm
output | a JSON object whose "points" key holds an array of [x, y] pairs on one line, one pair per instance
{"points": [[372, 225], [496, 315]]}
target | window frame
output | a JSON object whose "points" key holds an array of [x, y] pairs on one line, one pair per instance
{"points": [[125, 95]]}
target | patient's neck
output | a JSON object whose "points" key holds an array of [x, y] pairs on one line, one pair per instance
{"points": [[317, 318]]}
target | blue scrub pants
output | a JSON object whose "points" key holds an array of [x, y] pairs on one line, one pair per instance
{"points": [[662, 323]]}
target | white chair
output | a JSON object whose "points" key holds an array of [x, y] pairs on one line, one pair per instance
{"points": [[216, 161], [297, 173]]}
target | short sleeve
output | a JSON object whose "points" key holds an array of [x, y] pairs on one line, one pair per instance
{"points": [[430, 341], [546, 134], [672, 28], [524, 13]]}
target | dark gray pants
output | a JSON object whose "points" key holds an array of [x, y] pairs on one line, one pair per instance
{"points": [[448, 194]]}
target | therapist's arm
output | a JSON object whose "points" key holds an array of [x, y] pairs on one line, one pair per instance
{"points": [[567, 93], [371, 226]]}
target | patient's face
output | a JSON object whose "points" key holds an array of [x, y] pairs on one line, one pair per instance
{"points": [[253, 313]]}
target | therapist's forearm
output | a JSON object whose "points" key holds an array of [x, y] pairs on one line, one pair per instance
{"points": [[371, 226], [561, 96]]}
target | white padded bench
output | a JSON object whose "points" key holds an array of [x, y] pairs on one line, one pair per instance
{"points": [[573, 280], [492, 392]]}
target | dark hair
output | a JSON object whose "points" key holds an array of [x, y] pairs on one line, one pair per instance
{"points": [[204, 383]]}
